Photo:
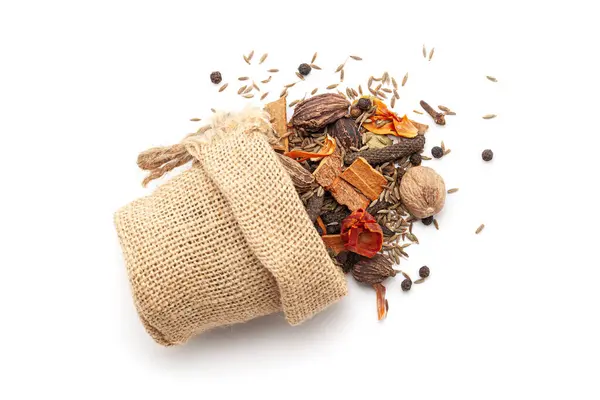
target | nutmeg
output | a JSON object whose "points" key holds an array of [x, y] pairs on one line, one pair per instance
{"points": [[423, 191]]}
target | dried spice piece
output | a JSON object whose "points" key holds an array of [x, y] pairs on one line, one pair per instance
{"points": [[424, 271], [317, 112], [437, 152], [348, 259], [378, 142], [335, 243], [346, 132], [382, 304], [386, 122], [195, 119], [302, 179], [329, 169], [491, 78], [405, 79], [427, 221], [423, 192], [406, 285], [347, 195], [415, 159], [419, 281], [362, 234], [478, 231], [328, 148], [438, 117], [365, 178], [313, 207], [453, 190], [403, 148], [489, 116], [277, 111], [373, 270], [487, 155], [431, 53], [215, 77], [223, 87]]}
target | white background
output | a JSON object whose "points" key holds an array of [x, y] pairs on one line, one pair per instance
{"points": [[511, 313]]}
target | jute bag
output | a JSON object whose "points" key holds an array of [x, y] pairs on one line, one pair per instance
{"points": [[225, 241]]}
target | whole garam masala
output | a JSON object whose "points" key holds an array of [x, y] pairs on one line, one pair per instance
{"points": [[356, 165]]}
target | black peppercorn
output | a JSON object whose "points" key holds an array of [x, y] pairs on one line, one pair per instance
{"points": [[304, 69], [406, 285], [424, 271], [427, 221], [364, 104], [487, 155], [415, 159], [216, 77], [437, 152]]}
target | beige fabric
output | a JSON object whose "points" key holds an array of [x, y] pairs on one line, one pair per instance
{"points": [[226, 241]]}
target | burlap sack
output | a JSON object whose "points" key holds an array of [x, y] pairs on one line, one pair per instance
{"points": [[227, 240]]}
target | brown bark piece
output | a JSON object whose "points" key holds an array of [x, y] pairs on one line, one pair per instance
{"points": [[365, 178], [329, 169], [422, 128], [346, 194], [277, 110]]}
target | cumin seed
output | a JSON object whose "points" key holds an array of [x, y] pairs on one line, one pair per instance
{"points": [[435, 223], [255, 86], [263, 58], [243, 78], [293, 103], [489, 116], [195, 119], [453, 190], [418, 281], [267, 80], [431, 53], [264, 95], [314, 58], [491, 78], [240, 90], [357, 58], [417, 112], [339, 68], [273, 70], [251, 55], [393, 102], [332, 86], [387, 90], [478, 231], [223, 87], [299, 75], [315, 90], [315, 66], [360, 90], [289, 85], [342, 75], [424, 52], [248, 96]]}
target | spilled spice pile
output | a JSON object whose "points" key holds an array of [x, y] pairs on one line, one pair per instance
{"points": [[357, 166]]}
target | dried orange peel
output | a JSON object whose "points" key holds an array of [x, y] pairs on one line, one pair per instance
{"points": [[395, 126], [327, 150]]}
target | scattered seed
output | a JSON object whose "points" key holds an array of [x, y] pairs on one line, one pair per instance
{"points": [[453, 190], [491, 78], [314, 58], [417, 112], [357, 58], [273, 70], [289, 85], [342, 75], [450, 113], [315, 66], [378, 87], [370, 81], [223, 87], [360, 90], [377, 79], [447, 151], [412, 237], [381, 94], [315, 90], [283, 92], [293, 103], [489, 116], [425, 157], [405, 79], [387, 90], [443, 146], [195, 119], [250, 55], [248, 96], [248, 90], [444, 108], [424, 52], [243, 78], [263, 58], [478, 231], [393, 102], [396, 95], [240, 90], [339, 68], [394, 84], [266, 80], [418, 281], [435, 223], [264, 95], [246, 59], [255, 86], [213, 110], [332, 86], [385, 77], [431, 53]]}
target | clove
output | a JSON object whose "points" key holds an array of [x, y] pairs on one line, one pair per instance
{"points": [[438, 117]]}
